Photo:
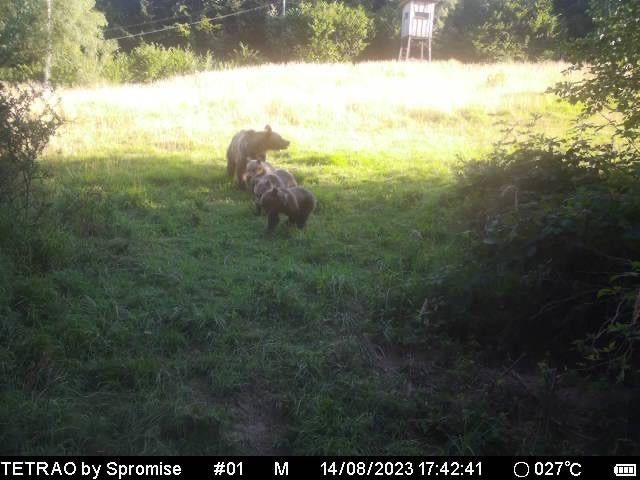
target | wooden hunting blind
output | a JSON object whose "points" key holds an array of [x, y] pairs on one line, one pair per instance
{"points": [[417, 25]]}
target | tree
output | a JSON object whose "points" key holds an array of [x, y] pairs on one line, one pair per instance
{"points": [[575, 18], [501, 30], [322, 32], [22, 37], [610, 58], [194, 22], [385, 36], [78, 43]]}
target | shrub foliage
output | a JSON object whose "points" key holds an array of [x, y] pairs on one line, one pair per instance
{"points": [[555, 225], [150, 62], [555, 222], [27, 122], [322, 32], [501, 30], [611, 58]]}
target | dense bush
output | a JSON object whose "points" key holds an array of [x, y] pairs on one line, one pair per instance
{"points": [[27, 121], [499, 30], [553, 224], [245, 55], [150, 62], [116, 70], [554, 233], [321, 32]]}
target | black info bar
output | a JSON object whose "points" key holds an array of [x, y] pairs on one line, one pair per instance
{"points": [[176, 468]]}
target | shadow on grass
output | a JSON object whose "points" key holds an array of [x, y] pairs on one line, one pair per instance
{"points": [[173, 187], [176, 327]]}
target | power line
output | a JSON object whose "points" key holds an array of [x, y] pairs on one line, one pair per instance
{"points": [[173, 27], [122, 27]]}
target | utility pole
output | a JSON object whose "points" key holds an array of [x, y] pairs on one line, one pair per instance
{"points": [[47, 67]]}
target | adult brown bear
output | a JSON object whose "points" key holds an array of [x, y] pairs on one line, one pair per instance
{"points": [[248, 144]]}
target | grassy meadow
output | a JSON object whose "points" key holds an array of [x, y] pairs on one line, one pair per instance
{"points": [[162, 320]]}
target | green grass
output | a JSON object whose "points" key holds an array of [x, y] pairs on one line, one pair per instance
{"points": [[175, 307], [157, 318]]}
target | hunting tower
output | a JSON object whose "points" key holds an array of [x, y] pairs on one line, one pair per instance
{"points": [[417, 26]]}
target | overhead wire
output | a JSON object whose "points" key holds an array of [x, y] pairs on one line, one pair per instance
{"points": [[123, 27], [202, 20]]}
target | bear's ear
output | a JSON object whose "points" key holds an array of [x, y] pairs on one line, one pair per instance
{"points": [[268, 129]]}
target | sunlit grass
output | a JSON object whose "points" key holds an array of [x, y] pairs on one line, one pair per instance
{"points": [[408, 108]]}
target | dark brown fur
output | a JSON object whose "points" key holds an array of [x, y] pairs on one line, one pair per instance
{"points": [[264, 184], [297, 203], [287, 178], [248, 144]]}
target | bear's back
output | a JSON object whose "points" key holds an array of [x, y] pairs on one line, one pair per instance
{"points": [[305, 200]]}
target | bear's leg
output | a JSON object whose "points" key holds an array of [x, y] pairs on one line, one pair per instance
{"points": [[258, 208], [231, 164], [240, 171], [301, 221], [272, 222]]}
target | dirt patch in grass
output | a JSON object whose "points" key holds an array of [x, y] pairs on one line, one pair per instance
{"points": [[257, 425]]}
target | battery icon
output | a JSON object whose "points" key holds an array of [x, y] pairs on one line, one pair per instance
{"points": [[625, 470]]}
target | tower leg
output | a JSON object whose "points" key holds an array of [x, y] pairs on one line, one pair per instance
{"points": [[429, 49], [408, 48], [422, 50]]}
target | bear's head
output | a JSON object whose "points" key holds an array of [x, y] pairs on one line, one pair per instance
{"points": [[255, 169], [274, 199], [274, 141]]}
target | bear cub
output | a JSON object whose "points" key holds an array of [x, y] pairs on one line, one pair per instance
{"points": [[262, 185], [297, 203], [279, 178], [256, 168]]}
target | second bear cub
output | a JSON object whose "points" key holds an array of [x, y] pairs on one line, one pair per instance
{"points": [[262, 185], [297, 203]]}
